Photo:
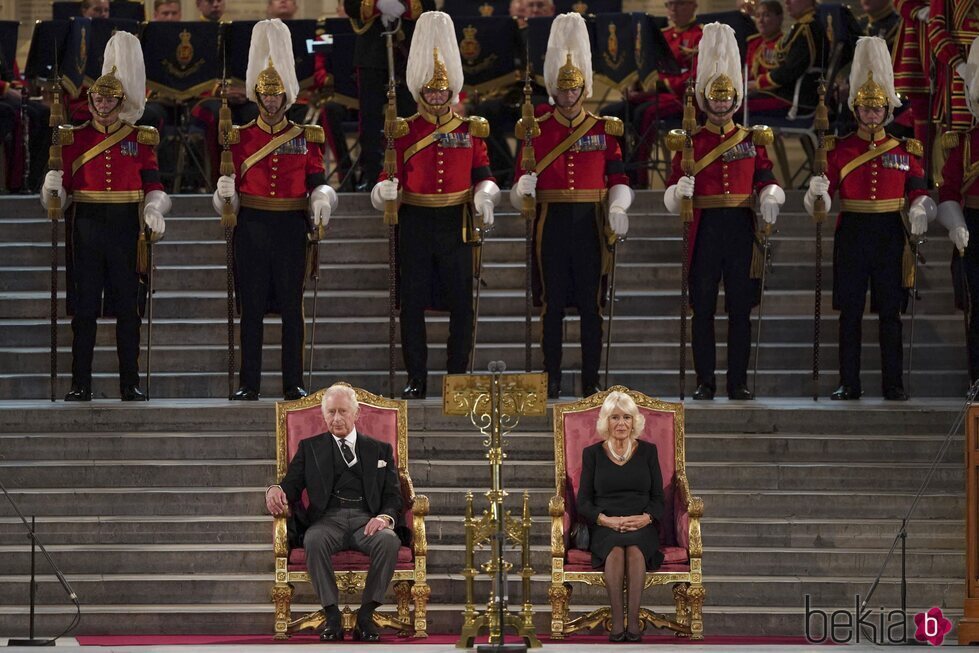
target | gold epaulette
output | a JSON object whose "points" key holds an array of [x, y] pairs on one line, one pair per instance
{"points": [[520, 133], [762, 135], [66, 134], [478, 127], [950, 141], [914, 147], [147, 135], [676, 139], [314, 133], [613, 126], [829, 142]]}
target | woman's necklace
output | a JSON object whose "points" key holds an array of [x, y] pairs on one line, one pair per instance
{"points": [[621, 458]]}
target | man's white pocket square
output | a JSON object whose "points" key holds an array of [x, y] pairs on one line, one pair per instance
{"points": [[382, 463]]}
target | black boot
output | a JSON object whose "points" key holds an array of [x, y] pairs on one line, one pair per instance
{"points": [[245, 394], [132, 393], [415, 389], [740, 393], [79, 393], [296, 392], [845, 393]]}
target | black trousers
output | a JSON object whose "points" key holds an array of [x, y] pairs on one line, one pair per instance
{"points": [[104, 238], [270, 262], [971, 266], [722, 251], [570, 258], [436, 270], [867, 249], [372, 88]]}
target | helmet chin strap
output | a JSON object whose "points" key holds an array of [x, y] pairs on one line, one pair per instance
{"points": [[274, 117]]}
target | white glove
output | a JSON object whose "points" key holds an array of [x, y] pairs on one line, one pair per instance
{"points": [[53, 185], [322, 202], [226, 187], [485, 211], [155, 206], [770, 200], [769, 210], [962, 70], [527, 185], [154, 220], [919, 220], [619, 221], [819, 185], [388, 190], [922, 15], [959, 237], [685, 186], [390, 8]]}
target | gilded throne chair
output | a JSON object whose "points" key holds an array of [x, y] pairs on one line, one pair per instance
{"points": [[385, 420], [680, 539]]}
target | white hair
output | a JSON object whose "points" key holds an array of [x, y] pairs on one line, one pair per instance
{"points": [[625, 403], [346, 391]]}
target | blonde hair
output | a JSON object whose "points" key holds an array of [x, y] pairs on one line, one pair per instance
{"points": [[341, 389], [621, 401]]}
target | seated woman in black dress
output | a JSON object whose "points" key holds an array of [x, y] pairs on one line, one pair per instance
{"points": [[619, 496]]}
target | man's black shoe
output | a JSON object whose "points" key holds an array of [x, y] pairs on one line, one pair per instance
{"points": [[366, 631], [132, 393], [704, 392], [589, 389], [895, 394], [333, 628], [553, 389], [415, 389], [79, 393], [740, 393], [245, 394], [845, 393], [297, 392]]}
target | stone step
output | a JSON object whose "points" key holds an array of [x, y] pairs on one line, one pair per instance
{"points": [[108, 529], [778, 329]]}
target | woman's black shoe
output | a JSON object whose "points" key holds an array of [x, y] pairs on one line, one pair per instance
{"points": [[616, 637]]}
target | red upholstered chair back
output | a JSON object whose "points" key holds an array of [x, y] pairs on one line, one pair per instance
{"points": [[380, 418], [575, 429]]}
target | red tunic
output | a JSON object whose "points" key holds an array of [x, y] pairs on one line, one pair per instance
{"points": [[441, 158], [585, 170], [761, 54], [684, 42], [289, 172], [732, 179], [962, 157], [119, 174], [950, 38], [881, 185]]}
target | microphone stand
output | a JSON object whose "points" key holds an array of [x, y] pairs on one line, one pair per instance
{"points": [[902, 533], [36, 544]]}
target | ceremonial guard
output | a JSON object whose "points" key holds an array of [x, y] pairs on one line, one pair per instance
{"points": [[876, 176], [442, 178], [582, 196], [730, 167], [111, 182], [912, 64], [952, 26], [277, 191], [959, 189]]}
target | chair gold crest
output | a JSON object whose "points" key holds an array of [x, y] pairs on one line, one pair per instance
{"points": [[680, 539], [385, 420]]}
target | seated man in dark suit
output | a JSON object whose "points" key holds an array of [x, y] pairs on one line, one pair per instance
{"points": [[354, 502]]}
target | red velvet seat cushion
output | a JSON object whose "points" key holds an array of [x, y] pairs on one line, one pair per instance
{"points": [[350, 560], [672, 555]]}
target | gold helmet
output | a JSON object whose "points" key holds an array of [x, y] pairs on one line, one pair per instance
{"points": [[269, 82], [721, 88], [569, 76], [108, 85], [870, 95], [440, 74]]}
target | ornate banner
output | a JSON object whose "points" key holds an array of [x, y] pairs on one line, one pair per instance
{"points": [[588, 6], [471, 8], [490, 52], [81, 59], [183, 60], [614, 61]]}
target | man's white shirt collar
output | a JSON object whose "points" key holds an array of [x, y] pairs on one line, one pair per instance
{"points": [[351, 440]]}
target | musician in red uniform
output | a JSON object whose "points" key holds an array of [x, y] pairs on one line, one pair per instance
{"points": [[730, 168], [952, 26], [442, 174], [582, 197], [762, 53], [876, 176], [110, 169], [279, 177], [959, 190]]}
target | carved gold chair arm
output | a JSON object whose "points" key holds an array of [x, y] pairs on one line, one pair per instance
{"points": [[419, 535], [555, 508], [407, 490], [280, 538]]}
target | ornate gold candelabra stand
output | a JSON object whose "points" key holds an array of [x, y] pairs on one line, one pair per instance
{"points": [[495, 403]]}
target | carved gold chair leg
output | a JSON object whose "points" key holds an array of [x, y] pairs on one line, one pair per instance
{"points": [[600, 617], [420, 592], [650, 618], [682, 607], [282, 602], [557, 594], [695, 599], [402, 590], [311, 621]]}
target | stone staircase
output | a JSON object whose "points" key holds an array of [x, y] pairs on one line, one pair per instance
{"points": [[155, 512], [189, 333]]}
